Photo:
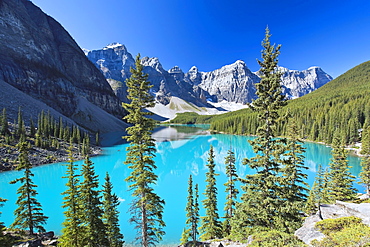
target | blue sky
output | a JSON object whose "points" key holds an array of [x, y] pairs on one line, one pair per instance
{"points": [[334, 35]]}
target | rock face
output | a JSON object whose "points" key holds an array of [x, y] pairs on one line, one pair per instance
{"points": [[307, 232], [298, 83], [115, 61], [231, 83], [41, 59]]}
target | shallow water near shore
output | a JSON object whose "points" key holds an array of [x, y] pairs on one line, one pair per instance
{"points": [[181, 151]]}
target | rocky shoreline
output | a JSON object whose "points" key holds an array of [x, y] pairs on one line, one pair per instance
{"points": [[38, 156]]}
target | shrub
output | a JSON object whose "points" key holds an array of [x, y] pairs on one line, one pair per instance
{"points": [[354, 235], [334, 225]]}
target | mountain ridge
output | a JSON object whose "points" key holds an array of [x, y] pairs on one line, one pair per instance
{"points": [[40, 58], [233, 83]]}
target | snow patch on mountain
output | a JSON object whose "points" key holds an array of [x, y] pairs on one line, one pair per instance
{"points": [[228, 88]]}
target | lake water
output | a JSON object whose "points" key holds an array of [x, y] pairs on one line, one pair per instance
{"points": [[181, 151]]}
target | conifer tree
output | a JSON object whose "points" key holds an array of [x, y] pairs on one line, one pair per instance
{"points": [[29, 214], [365, 161], [94, 231], [32, 128], [261, 205], [195, 220], [211, 227], [192, 215], [317, 193], [110, 214], [4, 124], [146, 207], [5, 240], [72, 229], [294, 187], [231, 191], [340, 185]]}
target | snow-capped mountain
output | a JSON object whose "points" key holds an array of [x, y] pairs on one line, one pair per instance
{"points": [[298, 83], [231, 83]]}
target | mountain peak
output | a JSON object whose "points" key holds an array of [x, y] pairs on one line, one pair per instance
{"points": [[193, 69], [114, 45], [175, 69]]}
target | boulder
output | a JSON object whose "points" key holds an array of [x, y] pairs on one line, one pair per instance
{"points": [[307, 232]]}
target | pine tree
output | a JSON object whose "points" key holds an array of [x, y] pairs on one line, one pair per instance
{"points": [[146, 207], [110, 215], [211, 227], [94, 231], [365, 161], [231, 191], [192, 215], [72, 230], [29, 214], [294, 187], [195, 219], [3, 240], [340, 185], [317, 193], [32, 128], [4, 124], [261, 204]]}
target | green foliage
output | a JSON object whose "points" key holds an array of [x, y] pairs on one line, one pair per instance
{"points": [[272, 196], [5, 240], [317, 194], [341, 104], [292, 180], [334, 225], [72, 230], [29, 214], [275, 238], [343, 232], [4, 124], [192, 214], [365, 161], [231, 191], [357, 235], [110, 215], [340, 186], [94, 230], [147, 207], [211, 227]]}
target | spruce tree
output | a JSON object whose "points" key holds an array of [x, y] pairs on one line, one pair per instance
{"points": [[211, 227], [110, 214], [4, 124], [186, 234], [195, 219], [72, 229], [293, 176], [340, 185], [5, 240], [94, 231], [32, 128], [261, 204], [317, 193], [146, 207], [29, 214], [365, 161], [231, 191], [192, 215]]}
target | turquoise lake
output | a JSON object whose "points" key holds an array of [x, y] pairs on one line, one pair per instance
{"points": [[181, 151]]}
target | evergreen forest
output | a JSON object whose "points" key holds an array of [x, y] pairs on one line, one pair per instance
{"points": [[341, 104], [266, 210]]}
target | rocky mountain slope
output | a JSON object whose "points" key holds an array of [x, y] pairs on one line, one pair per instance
{"points": [[41, 59], [231, 83]]}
